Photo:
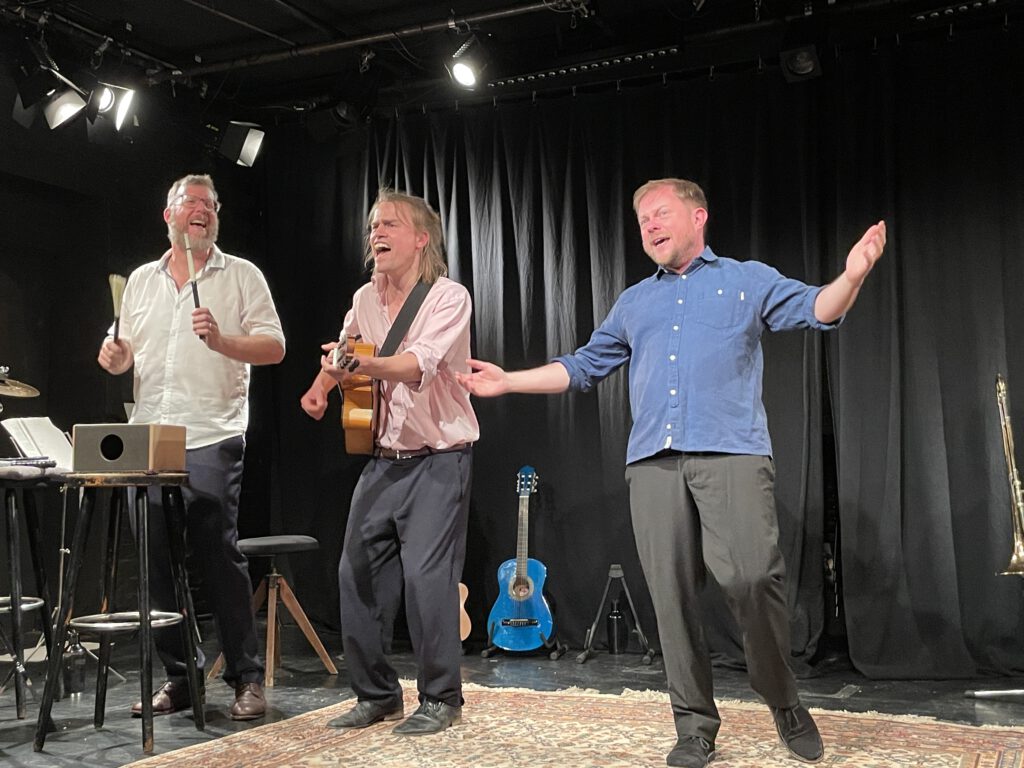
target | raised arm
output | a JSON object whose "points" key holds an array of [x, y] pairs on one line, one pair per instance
{"points": [[836, 298]]}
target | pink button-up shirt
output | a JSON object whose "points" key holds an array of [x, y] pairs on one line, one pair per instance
{"points": [[434, 412]]}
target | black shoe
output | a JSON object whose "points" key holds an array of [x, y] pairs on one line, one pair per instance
{"points": [[799, 733], [691, 752], [368, 712], [431, 717]]}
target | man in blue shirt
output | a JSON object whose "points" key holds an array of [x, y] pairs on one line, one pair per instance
{"points": [[699, 467]]}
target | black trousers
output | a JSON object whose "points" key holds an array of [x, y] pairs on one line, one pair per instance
{"points": [[693, 512], [211, 533], [406, 527]]}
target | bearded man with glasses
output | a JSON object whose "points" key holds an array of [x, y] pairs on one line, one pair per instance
{"points": [[191, 367]]}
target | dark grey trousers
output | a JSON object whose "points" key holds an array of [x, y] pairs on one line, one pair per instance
{"points": [[406, 527], [692, 511], [211, 531]]}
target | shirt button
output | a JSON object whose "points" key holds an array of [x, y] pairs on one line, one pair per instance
{"points": [[672, 392], [679, 301], [671, 357], [668, 426], [684, 277], [719, 291], [675, 327]]}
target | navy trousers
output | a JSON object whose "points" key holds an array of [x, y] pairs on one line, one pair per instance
{"points": [[406, 529], [211, 533]]}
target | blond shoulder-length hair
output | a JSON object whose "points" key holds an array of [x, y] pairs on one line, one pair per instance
{"points": [[433, 262]]}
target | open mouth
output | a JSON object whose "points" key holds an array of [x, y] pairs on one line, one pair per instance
{"points": [[658, 241], [198, 223], [381, 248]]}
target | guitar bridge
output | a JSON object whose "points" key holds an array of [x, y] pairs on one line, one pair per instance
{"points": [[519, 622]]}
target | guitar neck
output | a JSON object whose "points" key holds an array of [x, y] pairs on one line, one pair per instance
{"points": [[523, 538]]}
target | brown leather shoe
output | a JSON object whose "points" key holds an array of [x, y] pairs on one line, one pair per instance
{"points": [[249, 702], [170, 697]]}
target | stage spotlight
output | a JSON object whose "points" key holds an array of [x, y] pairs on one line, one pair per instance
{"points": [[800, 64], [100, 101], [104, 100], [36, 86], [468, 63], [62, 107], [241, 142]]}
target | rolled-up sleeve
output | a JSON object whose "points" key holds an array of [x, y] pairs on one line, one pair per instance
{"points": [[436, 342], [259, 315], [607, 349]]}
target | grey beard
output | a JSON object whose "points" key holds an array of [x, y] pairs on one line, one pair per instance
{"points": [[177, 237]]}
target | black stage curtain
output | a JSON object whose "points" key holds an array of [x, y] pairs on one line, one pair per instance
{"points": [[535, 201], [926, 518]]}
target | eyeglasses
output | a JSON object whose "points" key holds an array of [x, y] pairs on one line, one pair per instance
{"points": [[191, 201]]}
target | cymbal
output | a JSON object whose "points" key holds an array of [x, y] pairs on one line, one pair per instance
{"points": [[12, 388]]}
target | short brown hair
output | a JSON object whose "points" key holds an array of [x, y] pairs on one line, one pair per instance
{"points": [[433, 262], [687, 191]]}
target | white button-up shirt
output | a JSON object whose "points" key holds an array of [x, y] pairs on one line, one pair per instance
{"points": [[178, 379]]}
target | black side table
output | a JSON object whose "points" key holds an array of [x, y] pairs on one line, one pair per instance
{"points": [[143, 620]]}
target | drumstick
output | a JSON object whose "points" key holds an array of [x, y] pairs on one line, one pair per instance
{"points": [[192, 274], [191, 270], [117, 283]]}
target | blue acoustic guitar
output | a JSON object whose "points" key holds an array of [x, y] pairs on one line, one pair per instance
{"points": [[521, 619]]}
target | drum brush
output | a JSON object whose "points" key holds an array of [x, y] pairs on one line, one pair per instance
{"points": [[117, 283]]}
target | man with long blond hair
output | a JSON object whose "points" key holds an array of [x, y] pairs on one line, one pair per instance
{"points": [[408, 517]]}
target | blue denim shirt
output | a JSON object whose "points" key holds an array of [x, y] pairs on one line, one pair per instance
{"points": [[693, 343]]}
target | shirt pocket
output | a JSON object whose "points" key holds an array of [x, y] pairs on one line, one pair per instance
{"points": [[720, 308]]}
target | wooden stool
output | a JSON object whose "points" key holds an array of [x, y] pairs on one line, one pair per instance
{"points": [[143, 620], [28, 480], [270, 587]]}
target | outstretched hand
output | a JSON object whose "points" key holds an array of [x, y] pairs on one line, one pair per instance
{"points": [[486, 379], [865, 253]]}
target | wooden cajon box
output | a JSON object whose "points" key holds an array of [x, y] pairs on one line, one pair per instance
{"points": [[128, 448]]}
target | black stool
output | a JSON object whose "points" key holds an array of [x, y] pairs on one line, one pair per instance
{"points": [[144, 620], [28, 480], [270, 587]]}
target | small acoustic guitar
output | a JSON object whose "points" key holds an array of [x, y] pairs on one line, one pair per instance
{"points": [[521, 619], [359, 397]]}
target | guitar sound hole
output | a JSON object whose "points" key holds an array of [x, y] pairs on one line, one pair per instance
{"points": [[521, 589]]}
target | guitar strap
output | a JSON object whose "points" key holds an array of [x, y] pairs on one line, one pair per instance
{"points": [[406, 314]]}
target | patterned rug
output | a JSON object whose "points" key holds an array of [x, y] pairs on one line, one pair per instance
{"points": [[513, 728]]}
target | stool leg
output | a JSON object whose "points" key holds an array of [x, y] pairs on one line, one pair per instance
{"points": [[118, 502], [271, 629], [14, 562], [42, 586], [56, 651], [145, 620], [174, 509], [288, 598]]}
